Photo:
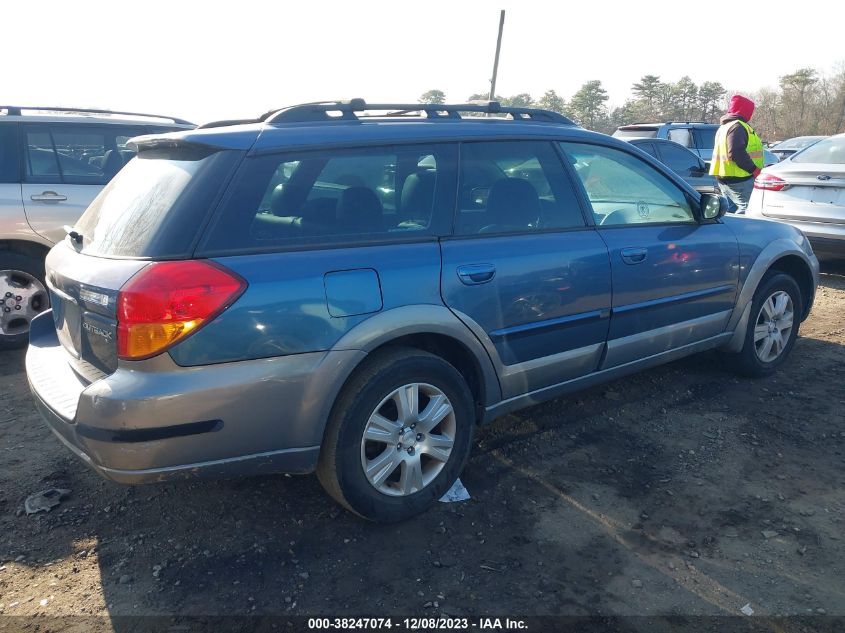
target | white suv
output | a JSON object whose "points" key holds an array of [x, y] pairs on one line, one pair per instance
{"points": [[53, 163]]}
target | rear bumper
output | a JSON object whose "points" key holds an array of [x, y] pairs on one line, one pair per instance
{"points": [[154, 421]]}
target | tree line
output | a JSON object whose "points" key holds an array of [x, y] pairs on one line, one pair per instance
{"points": [[805, 102]]}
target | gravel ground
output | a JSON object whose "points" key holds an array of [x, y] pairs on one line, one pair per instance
{"points": [[684, 490]]}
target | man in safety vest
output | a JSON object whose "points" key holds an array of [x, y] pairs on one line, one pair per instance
{"points": [[737, 154]]}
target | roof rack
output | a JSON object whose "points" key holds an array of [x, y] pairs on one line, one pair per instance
{"points": [[16, 111], [347, 111]]}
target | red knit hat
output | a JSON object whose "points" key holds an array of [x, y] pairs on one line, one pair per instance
{"points": [[743, 106]]}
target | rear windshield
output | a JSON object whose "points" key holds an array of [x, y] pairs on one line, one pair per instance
{"points": [[830, 151], [640, 132], [156, 205]]}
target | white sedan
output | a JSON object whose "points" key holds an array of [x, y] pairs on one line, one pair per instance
{"points": [[807, 190]]}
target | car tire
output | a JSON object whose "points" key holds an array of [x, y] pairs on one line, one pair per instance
{"points": [[21, 276], [378, 478], [776, 302]]}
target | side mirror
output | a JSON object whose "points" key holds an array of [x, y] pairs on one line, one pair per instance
{"points": [[713, 207]]}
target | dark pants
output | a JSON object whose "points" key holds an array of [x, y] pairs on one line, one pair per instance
{"points": [[738, 192]]}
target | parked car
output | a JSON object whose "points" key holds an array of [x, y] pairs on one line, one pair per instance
{"points": [[680, 160], [697, 136], [787, 148], [53, 162], [807, 190], [351, 288]]}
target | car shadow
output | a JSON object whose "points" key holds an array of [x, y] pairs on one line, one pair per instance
{"points": [[278, 546]]}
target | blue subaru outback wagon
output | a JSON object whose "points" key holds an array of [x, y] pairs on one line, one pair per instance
{"points": [[351, 288]]}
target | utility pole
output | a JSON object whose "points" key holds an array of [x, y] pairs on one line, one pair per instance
{"points": [[496, 61]]}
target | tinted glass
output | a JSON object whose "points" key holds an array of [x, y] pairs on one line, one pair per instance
{"points": [[678, 159], [830, 151], [648, 148], [514, 186], [9, 154], [705, 138], [156, 206], [623, 190], [77, 154], [636, 133], [797, 143], [348, 196], [681, 136]]}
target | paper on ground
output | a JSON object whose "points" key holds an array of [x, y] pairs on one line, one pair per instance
{"points": [[456, 493]]}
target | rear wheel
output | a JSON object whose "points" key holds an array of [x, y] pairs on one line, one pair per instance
{"points": [[23, 296], [772, 327], [399, 435]]}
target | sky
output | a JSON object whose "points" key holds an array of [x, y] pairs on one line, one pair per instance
{"points": [[210, 60]]}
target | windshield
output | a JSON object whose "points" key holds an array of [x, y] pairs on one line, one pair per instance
{"points": [[153, 207], [830, 151], [799, 142]]}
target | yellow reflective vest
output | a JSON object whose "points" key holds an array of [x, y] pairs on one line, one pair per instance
{"points": [[721, 165]]}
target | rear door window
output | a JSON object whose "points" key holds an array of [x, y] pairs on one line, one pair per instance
{"points": [[513, 187], [344, 196], [705, 138], [648, 148], [681, 135], [76, 154], [9, 169], [681, 161]]}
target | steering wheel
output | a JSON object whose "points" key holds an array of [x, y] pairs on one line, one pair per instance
{"points": [[617, 214]]}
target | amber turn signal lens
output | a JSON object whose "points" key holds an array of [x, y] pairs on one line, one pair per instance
{"points": [[167, 301]]}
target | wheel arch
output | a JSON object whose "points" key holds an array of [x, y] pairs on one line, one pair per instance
{"points": [[433, 329], [24, 247], [800, 271], [782, 255]]}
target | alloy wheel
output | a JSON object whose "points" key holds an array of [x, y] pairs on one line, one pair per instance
{"points": [[773, 326], [408, 439]]}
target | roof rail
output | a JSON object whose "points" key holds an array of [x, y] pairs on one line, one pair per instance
{"points": [[346, 111], [16, 111]]}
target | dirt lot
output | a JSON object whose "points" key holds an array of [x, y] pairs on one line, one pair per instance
{"points": [[684, 490]]}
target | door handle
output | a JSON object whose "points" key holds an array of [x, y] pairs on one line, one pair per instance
{"points": [[48, 196], [633, 255], [474, 274]]}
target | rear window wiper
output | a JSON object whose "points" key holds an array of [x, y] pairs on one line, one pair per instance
{"points": [[74, 235]]}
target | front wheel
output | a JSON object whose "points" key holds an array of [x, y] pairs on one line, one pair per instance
{"points": [[398, 437], [772, 327]]}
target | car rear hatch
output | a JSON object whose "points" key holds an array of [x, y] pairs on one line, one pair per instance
{"points": [[153, 210], [811, 192]]}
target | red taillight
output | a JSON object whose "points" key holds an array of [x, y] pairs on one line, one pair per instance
{"points": [[166, 301], [769, 182]]}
